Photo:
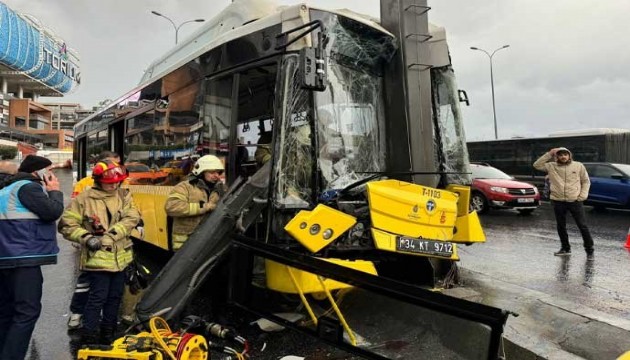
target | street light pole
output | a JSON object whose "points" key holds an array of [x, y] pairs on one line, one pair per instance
{"points": [[176, 27], [494, 111]]}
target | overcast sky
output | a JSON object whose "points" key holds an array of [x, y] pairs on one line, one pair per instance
{"points": [[566, 68]]}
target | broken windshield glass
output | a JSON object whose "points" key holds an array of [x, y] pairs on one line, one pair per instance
{"points": [[449, 118], [294, 144], [349, 113]]}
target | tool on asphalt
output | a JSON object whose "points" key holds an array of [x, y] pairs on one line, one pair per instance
{"points": [[188, 343], [210, 329], [159, 344]]}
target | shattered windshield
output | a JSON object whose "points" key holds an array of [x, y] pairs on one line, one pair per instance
{"points": [[349, 113], [345, 130], [294, 143], [450, 123]]}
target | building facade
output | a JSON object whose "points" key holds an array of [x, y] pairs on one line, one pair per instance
{"points": [[34, 62], [65, 115]]}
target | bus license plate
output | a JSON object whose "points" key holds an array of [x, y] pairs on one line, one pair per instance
{"points": [[421, 246]]}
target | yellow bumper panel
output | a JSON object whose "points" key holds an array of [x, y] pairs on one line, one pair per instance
{"points": [[469, 229], [290, 280], [412, 210], [463, 203], [318, 228]]}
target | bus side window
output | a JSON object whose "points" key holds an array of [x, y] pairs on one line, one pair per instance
{"points": [[216, 112], [256, 96], [254, 148]]}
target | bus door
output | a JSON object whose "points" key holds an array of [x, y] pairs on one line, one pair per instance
{"points": [[117, 137], [254, 117], [80, 158]]}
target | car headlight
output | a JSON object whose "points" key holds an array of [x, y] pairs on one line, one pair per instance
{"points": [[535, 190], [499, 189]]}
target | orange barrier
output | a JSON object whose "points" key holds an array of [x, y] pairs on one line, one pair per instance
{"points": [[627, 246]]}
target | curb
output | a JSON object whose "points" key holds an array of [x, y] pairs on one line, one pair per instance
{"points": [[548, 327]]}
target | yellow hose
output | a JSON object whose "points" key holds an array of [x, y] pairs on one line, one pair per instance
{"points": [[158, 333]]}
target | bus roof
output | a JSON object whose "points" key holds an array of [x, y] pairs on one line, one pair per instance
{"points": [[236, 20], [584, 132], [224, 27], [563, 134]]}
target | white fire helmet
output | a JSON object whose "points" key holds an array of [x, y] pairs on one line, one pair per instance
{"points": [[207, 162]]}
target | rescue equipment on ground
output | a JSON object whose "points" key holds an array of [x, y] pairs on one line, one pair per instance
{"points": [[208, 329], [161, 343]]}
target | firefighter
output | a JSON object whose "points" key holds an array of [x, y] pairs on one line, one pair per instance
{"points": [[88, 181], [82, 286], [191, 199], [101, 219]]}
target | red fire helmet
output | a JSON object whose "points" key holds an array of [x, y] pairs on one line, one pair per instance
{"points": [[109, 172]]}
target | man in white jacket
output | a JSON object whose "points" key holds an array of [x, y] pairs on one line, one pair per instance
{"points": [[569, 188]]}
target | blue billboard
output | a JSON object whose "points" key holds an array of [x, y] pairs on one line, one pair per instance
{"points": [[28, 49]]}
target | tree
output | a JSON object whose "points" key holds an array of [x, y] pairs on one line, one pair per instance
{"points": [[7, 152]]}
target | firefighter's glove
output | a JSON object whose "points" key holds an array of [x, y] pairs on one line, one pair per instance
{"points": [[140, 231], [107, 242], [94, 243], [207, 207]]}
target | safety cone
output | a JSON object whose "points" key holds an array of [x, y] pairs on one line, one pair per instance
{"points": [[627, 246]]}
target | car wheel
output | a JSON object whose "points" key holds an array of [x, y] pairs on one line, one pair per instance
{"points": [[479, 203], [526, 211]]}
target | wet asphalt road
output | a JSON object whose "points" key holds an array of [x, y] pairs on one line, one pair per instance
{"points": [[519, 250]]}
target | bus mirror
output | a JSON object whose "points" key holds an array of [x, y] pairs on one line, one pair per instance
{"points": [[312, 70], [312, 66], [463, 97]]}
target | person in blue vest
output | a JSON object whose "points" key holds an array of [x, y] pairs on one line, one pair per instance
{"points": [[30, 203]]}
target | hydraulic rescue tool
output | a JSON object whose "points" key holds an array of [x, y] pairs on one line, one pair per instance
{"points": [[160, 343]]}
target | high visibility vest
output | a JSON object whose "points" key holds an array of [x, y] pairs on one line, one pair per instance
{"points": [[25, 239]]}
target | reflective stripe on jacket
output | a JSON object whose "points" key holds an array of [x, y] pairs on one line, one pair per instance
{"points": [[185, 206], [25, 240], [118, 215]]}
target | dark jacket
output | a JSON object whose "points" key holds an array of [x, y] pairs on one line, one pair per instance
{"points": [[27, 222], [4, 177]]}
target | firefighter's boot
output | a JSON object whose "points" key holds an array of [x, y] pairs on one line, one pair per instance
{"points": [[88, 337], [108, 335]]}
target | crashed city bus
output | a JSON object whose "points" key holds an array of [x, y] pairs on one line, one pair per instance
{"points": [[366, 186]]}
